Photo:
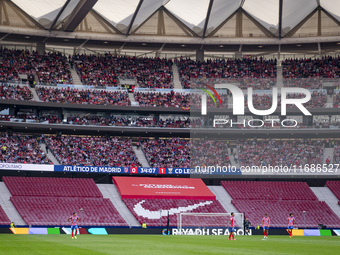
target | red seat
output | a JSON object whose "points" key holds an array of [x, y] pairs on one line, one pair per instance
{"points": [[334, 186], [50, 201], [4, 220]]}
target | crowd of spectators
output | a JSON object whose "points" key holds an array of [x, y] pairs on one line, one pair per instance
{"points": [[318, 99], [158, 99], [261, 102], [276, 152], [139, 121], [21, 148], [307, 83], [95, 151], [112, 120], [9, 67], [326, 123], [336, 100], [50, 68], [31, 118], [336, 157], [252, 68], [325, 67], [170, 152], [177, 152], [105, 69], [209, 152], [15, 92], [134, 121], [86, 96], [265, 101]]}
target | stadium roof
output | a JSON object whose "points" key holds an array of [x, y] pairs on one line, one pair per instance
{"points": [[174, 21]]}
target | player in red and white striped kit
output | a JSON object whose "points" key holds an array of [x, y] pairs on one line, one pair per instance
{"points": [[290, 224], [265, 225], [74, 224], [232, 226]]}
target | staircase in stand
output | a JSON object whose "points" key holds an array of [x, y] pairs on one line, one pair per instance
{"points": [[75, 77], [175, 76]]}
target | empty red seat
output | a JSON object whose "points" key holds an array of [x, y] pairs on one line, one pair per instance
{"points": [[317, 212], [4, 220], [334, 186], [266, 190], [50, 201], [56, 210], [51, 187]]}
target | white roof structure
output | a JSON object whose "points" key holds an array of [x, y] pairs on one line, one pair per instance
{"points": [[178, 21]]}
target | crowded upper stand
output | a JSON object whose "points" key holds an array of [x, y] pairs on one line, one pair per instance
{"points": [[51, 68], [75, 96], [225, 68], [105, 70], [21, 148], [98, 151], [15, 92], [166, 152], [280, 152]]}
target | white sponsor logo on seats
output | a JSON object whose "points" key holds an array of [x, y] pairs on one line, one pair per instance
{"points": [[141, 211], [163, 186]]}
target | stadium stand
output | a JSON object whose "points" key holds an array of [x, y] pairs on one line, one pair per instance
{"points": [[336, 158], [119, 121], [176, 152], [51, 187], [209, 152], [307, 83], [318, 100], [104, 70], [157, 99], [336, 100], [56, 210], [95, 151], [278, 199], [88, 96], [334, 186], [21, 148], [118, 49], [268, 190], [227, 69], [316, 212], [4, 220], [149, 211], [30, 118], [16, 92], [172, 152], [50, 201], [325, 67], [50, 68], [280, 152]]}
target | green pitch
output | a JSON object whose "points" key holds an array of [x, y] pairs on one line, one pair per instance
{"points": [[152, 244]]}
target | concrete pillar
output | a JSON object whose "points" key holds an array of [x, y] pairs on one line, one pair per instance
{"points": [[200, 55], [41, 48], [11, 110], [238, 55]]}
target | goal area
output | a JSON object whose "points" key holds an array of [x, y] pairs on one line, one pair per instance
{"points": [[207, 220]]}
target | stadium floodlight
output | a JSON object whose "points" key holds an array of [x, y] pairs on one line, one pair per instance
{"points": [[207, 223]]}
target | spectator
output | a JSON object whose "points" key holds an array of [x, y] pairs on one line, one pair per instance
{"points": [[95, 151], [21, 149], [88, 96]]}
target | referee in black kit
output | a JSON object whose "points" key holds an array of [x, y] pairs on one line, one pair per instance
{"points": [[247, 224]]}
